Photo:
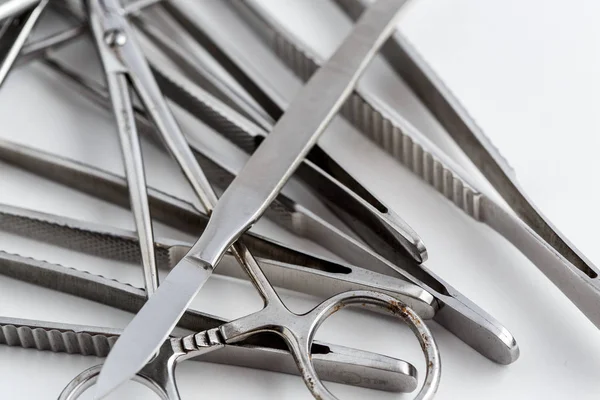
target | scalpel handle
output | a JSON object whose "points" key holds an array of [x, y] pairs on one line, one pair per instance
{"points": [[250, 193]]}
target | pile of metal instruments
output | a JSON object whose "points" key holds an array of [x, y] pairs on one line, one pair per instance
{"points": [[179, 65]]}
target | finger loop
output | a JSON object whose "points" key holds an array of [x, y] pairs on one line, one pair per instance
{"points": [[88, 378], [367, 298]]}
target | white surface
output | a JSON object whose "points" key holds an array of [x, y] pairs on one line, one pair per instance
{"points": [[526, 70]]}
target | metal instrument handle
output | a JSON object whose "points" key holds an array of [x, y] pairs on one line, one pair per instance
{"points": [[159, 375]]}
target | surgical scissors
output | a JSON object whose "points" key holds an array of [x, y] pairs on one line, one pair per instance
{"points": [[459, 315], [224, 229], [118, 78], [159, 374], [333, 363]]}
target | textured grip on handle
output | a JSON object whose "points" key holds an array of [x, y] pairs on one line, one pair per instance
{"points": [[394, 135], [59, 339], [406, 148]]}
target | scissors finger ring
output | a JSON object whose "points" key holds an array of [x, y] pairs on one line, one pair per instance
{"points": [[159, 374]]}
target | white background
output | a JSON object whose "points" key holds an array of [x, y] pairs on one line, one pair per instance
{"points": [[528, 73]]}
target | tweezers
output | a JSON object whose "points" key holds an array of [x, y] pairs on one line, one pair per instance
{"points": [[35, 332], [288, 213], [121, 245], [456, 313], [359, 206], [285, 266], [158, 48], [467, 321], [522, 224]]}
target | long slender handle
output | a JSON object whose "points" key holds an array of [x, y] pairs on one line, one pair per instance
{"points": [[123, 111], [582, 287], [530, 232], [134, 171]]}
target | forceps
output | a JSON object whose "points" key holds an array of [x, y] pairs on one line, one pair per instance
{"points": [[315, 275], [242, 204], [323, 277], [459, 315], [368, 213], [522, 224], [322, 173], [285, 266], [112, 238]]}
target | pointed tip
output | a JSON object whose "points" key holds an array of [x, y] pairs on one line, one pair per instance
{"points": [[105, 385], [112, 376], [146, 333]]}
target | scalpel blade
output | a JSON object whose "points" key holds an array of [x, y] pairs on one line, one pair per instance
{"points": [[251, 192]]}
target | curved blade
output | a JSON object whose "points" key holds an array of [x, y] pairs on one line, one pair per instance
{"points": [[151, 326]]}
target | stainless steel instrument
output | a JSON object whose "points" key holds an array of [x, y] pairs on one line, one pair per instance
{"points": [[250, 55], [521, 223], [240, 206], [18, 17]]}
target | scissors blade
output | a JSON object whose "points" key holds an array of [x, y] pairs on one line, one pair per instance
{"points": [[251, 192], [151, 326]]}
